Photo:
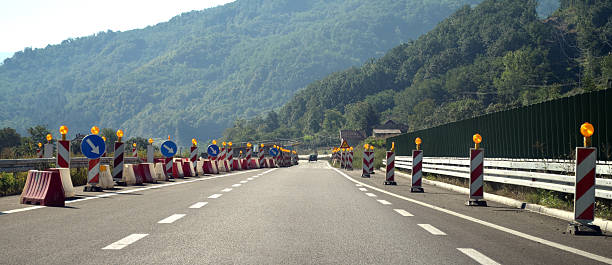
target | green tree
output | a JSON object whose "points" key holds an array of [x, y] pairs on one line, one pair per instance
{"points": [[333, 121], [361, 116], [38, 133], [9, 138]]}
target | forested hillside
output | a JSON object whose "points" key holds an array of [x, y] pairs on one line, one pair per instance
{"points": [[196, 73], [494, 56]]}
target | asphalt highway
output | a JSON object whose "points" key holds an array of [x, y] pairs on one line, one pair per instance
{"points": [[306, 214]]}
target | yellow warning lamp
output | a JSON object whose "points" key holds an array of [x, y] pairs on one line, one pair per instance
{"points": [[39, 145], [119, 135], [249, 145], [134, 144], [477, 140], [366, 147], [95, 130], [150, 140], [230, 144], [241, 152], [587, 131], [104, 138], [224, 143], [261, 145], [351, 148], [49, 137], [392, 146], [214, 142], [418, 142], [372, 147], [63, 132], [194, 142]]}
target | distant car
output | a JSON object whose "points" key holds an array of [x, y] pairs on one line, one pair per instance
{"points": [[312, 157]]}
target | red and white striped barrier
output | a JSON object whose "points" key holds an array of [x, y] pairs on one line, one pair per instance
{"points": [[118, 161], [368, 162], [476, 197], [134, 152], [168, 167], [584, 197], [249, 153], [260, 157], [39, 153], [93, 175], [390, 177], [342, 159], [63, 154], [230, 159], [194, 158], [417, 171], [349, 160]]}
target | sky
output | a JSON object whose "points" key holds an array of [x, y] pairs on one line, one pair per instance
{"points": [[37, 23]]}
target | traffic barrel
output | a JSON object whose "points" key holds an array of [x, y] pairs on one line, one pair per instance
{"points": [[417, 171], [93, 175], [43, 188], [390, 177], [63, 154], [118, 162]]}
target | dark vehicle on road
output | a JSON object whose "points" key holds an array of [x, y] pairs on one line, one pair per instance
{"points": [[312, 157]]}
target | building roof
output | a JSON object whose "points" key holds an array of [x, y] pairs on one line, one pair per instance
{"points": [[352, 137], [390, 124], [387, 131]]}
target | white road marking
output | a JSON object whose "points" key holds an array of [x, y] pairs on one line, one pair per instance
{"points": [[431, 229], [198, 205], [250, 179], [477, 256], [109, 194], [403, 212], [237, 185], [214, 196], [384, 202], [126, 241], [170, 219], [371, 194], [358, 185], [363, 189], [244, 181], [226, 190], [488, 224]]}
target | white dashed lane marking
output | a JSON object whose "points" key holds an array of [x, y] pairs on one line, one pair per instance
{"points": [[477, 256], [363, 189], [383, 202], [198, 205], [171, 219], [403, 212], [226, 190], [431, 229], [244, 181], [236, 185], [250, 179], [371, 194], [214, 196], [126, 241]]}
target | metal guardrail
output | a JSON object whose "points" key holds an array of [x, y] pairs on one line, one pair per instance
{"points": [[556, 176], [22, 165]]}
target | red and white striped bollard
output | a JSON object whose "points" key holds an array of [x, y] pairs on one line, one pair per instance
{"points": [[390, 177]]}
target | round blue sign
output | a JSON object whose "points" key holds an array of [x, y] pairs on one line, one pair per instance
{"points": [[168, 148], [273, 152], [213, 150], [93, 146]]}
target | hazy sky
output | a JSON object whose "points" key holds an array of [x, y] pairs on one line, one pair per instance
{"points": [[36, 23]]}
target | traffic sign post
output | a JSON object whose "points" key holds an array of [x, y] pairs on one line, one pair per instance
{"points": [[213, 150], [168, 149], [93, 147]]}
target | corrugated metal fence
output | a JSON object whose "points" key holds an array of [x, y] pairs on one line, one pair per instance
{"points": [[548, 130]]}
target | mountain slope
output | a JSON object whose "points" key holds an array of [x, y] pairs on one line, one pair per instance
{"points": [[494, 56], [199, 71]]}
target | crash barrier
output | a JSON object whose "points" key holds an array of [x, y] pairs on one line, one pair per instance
{"points": [[188, 168], [199, 165], [106, 179], [236, 165], [253, 163], [64, 173], [177, 168], [43, 188], [160, 174], [24, 165], [555, 175], [129, 175], [244, 164]]}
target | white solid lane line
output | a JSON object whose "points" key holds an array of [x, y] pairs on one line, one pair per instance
{"points": [[371, 194], [431, 229], [198, 205], [171, 219], [244, 181], [477, 256], [236, 185], [403, 212], [363, 189], [384, 202], [126, 241], [488, 224], [226, 190], [214, 196]]}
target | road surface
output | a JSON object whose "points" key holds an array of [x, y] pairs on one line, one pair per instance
{"points": [[306, 214]]}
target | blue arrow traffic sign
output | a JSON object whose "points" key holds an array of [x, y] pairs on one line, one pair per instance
{"points": [[273, 152], [213, 150], [168, 148], [93, 146]]}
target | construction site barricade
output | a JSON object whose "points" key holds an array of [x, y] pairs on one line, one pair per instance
{"points": [[64, 173], [106, 178], [200, 167], [128, 174], [243, 163], [177, 169], [43, 188], [187, 169], [160, 175], [138, 174]]}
